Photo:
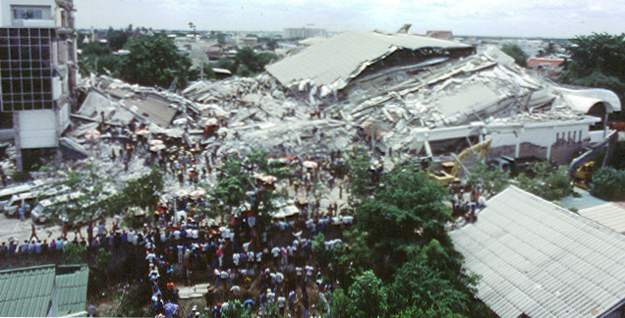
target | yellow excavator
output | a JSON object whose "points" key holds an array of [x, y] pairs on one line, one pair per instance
{"points": [[583, 174], [449, 171]]}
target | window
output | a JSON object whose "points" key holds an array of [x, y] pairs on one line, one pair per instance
{"points": [[25, 69], [31, 12]]}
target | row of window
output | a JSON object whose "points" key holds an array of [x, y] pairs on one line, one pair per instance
{"points": [[24, 41], [26, 32], [569, 136], [26, 105], [31, 12], [21, 86]]}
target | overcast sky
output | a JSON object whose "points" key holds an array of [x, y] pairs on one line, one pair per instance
{"points": [[547, 18]]}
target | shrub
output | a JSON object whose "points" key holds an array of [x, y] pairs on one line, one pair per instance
{"points": [[608, 184]]}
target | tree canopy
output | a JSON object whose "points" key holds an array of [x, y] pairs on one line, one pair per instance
{"points": [[154, 61], [398, 261], [597, 61], [516, 53]]}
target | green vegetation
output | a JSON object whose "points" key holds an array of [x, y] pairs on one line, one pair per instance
{"points": [[96, 202], [492, 180], [608, 184], [516, 53], [546, 181], [422, 276], [154, 61], [597, 61], [247, 62], [235, 181], [361, 184]]}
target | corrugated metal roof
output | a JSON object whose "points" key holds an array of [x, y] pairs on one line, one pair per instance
{"points": [[71, 291], [336, 60], [610, 214], [537, 258], [26, 292], [41, 291]]}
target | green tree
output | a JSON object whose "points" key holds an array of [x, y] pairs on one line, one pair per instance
{"points": [[145, 191], [117, 38], [407, 209], [516, 53], [340, 304], [236, 309], [546, 181], [360, 178], [493, 180], [432, 281], [597, 61], [74, 253], [368, 297], [247, 62], [608, 184], [154, 61]]}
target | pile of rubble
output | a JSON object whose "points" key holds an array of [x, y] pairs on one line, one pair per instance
{"points": [[239, 114]]}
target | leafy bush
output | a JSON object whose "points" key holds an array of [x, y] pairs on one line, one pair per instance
{"points": [[608, 184], [547, 182]]}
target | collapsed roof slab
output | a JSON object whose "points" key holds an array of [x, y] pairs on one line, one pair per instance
{"points": [[334, 62], [153, 108]]}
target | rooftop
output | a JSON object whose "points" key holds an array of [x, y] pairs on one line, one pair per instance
{"points": [[335, 61], [43, 291], [536, 258]]}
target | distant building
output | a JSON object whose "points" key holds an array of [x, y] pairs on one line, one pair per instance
{"points": [[38, 72], [547, 66], [248, 41], [303, 33], [440, 34]]}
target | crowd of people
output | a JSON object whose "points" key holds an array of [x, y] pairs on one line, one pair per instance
{"points": [[265, 263]]}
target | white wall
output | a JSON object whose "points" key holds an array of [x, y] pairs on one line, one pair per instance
{"points": [[64, 117], [6, 13], [540, 136], [37, 129]]}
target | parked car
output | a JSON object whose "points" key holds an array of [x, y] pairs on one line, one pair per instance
{"points": [[47, 208]]}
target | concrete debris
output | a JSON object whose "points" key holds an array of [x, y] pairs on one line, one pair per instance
{"points": [[238, 114]]}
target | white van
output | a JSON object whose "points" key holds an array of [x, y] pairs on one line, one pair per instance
{"points": [[48, 207], [6, 194], [10, 208]]}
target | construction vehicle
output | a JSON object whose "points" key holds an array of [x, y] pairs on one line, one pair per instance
{"points": [[449, 171], [583, 175]]}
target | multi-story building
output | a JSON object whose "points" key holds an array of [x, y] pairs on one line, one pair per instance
{"points": [[38, 72], [304, 33]]}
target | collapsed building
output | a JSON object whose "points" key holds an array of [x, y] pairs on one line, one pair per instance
{"points": [[427, 96], [400, 94]]}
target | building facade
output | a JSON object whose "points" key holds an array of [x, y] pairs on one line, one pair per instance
{"points": [[38, 72], [303, 33]]}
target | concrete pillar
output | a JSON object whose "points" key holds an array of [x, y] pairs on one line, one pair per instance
{"points": [[19, 164], [605, 125], [517, 146], [58, 158], [428, 149], [549, 152]]}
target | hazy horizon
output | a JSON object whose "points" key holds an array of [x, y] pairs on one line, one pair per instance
{"points": [[506, 18]]}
